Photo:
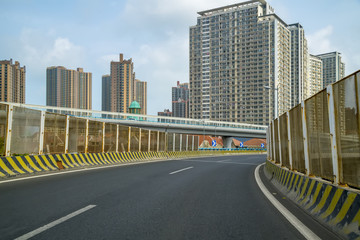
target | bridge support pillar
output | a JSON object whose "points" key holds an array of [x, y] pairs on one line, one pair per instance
{"points": [[227, 141]]}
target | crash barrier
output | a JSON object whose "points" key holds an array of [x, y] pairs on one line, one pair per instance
{"points": [[12, 166], [31, 164], [321, 136], [334, 206]]}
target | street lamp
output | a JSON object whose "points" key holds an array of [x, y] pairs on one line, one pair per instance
{"points": [[276, 99]]}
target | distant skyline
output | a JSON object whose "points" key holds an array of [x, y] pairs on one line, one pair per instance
{"points": [[154, 33]]}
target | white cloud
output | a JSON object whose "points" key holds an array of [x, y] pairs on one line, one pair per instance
{"points": [[320, 41], [42, 49]]}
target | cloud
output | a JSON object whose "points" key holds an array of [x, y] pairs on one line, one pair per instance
{"points": [[320, 41], [41, 49]]}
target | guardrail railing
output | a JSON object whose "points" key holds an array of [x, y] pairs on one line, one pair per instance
{"points": [[29, 129], [118, 117], [321, 136]]}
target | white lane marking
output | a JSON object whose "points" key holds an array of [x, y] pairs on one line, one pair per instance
{"points": [[54, 223], [240, 163], [81, 170], [224, 160], [305, 231], [184, 169]]}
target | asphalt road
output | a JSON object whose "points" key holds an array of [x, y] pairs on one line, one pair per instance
{"points": [[199, 198]]}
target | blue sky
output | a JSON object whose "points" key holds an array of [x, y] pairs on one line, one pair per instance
{"points": [[154, 33]]}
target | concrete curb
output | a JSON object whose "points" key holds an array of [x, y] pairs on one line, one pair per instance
{"points": [[336, 207]]}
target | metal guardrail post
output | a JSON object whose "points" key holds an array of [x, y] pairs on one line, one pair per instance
{"points": [[129, 139], [117, 138], [193, 143], [103, 138], [86, 135], [289, 140], [42, 130], [158, 141], [9, 130], [180, 148], [174, 142], [305, 138], [279, 141], [337, 166], [149, 141], [273, 140], [166, 141], [139, 147], [67, 127]]}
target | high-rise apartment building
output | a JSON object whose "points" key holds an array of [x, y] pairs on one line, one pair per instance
{"points": [[68, 88], [140, 95], [120, 88], [299, 65], [106, 93], [180, 100], [315, 74], [235, 52], [12, 82], [333, 67], [122, 84]]}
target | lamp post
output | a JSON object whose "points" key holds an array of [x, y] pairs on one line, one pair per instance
{"points": [[276, 99]]}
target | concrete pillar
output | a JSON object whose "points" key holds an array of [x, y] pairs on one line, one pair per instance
{"points": [[227, 141]]}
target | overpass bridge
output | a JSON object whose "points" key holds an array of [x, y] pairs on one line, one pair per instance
{"points": [[34, 129], [160, 123]]}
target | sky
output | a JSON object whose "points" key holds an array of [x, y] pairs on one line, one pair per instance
{"points": [[154, 33]]}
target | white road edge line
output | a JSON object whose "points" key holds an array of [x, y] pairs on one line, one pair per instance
{"points": [[184, 169], [54, 223], [305, 231]]}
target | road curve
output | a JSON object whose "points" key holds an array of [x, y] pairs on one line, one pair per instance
{"points": [[199, 198]]}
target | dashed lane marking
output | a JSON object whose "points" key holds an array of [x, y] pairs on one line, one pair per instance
{"points": [[54, 223]]}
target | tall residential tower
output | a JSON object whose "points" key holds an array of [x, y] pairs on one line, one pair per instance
{"points": [[333, 67], [239, 57], [122, 84], [106, 93], [140, 95], [68, 88], [315, 73], [299, 65], [12, 82], [180, 100]]}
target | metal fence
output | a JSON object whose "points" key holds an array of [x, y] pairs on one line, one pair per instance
{"points": [[28, 131], [115, 116], [321, 136]]}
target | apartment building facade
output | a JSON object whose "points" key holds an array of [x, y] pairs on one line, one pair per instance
{"points": [[333, 67], [12, 81], [299, 65], [106, 93], [236, 52], [68, 88], [180, 100], [315, 74], [140, 95], [122, 84]]}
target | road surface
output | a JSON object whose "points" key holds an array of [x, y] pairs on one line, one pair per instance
{"points": [[198, 198]]}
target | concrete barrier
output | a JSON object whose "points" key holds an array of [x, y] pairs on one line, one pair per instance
{"points": [[32, 164], [335, 206]]}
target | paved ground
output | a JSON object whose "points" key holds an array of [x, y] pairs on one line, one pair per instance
{"points": [[199, 198]]}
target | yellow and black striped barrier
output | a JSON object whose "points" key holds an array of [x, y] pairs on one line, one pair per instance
{"points": [[335, 206], [17, 165]]}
